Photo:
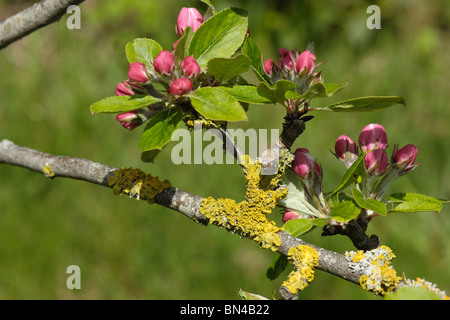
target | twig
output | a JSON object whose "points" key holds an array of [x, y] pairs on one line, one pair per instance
{"points": [[37, 16]]}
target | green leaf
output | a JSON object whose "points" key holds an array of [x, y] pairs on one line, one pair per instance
{"points": [[207, 2], [363, 104], [369, 204], [216, 104], [143, 50], [220, 36], [296, 227], [227, 68], [278, 265], [322, 90], [277, 91], [150, 155], [353, 174], [346, 211], [158, 131], [320, 222], [180, 51], [412, 293], [119, 104], [414, 202], [248, 94], [251, 50]]}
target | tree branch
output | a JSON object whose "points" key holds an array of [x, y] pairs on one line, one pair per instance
{"points": [[181, 201], [37, 16]]}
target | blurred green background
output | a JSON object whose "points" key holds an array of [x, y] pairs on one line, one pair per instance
{"points": [[129, 250]]}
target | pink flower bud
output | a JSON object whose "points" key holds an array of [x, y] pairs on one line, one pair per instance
{"points": [[303, 163], [289, 215], [188, 17], [373, 136], [305, 60], [318, 169], [376, 162], [403, 159], [180, 86], [137, 72], [164, 62], [343, 145], [190, 66], [268, 65], [286, 60], [124, 89], [129, 120]]}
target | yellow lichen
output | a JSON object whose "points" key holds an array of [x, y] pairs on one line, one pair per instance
{"points": [[201, 123], [305, 259], [249, 217], [48, 171], [136, 184], [358, 256], [383, 280], [378, 276]]}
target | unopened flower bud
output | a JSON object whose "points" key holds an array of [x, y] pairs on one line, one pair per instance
{"points": [[376, 162], [188, 17], [129, 120], [306, 60], [137, 72], [286, 60], [303, 163], [289, 215], [180, 86], [343, 145], [373, 136], [164, 62], [124, 89], [403, 159], [190, 66], [268, 66], [318, 169]]}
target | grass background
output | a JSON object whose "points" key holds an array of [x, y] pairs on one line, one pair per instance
{"points": [[129, 250]]}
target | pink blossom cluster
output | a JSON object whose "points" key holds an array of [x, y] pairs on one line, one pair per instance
{"points": [[373, 140], [291, 62], [177, 76], [295, 66]]}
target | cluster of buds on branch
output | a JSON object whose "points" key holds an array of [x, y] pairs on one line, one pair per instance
{"points": [[298, 68], [373, 143], [368, 168], [177, 77]]}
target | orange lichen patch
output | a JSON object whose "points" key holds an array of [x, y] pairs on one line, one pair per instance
{"points": [[249, 217], [305, 259], [137, 184]]}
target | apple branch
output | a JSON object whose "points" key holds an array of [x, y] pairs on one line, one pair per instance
{"points": [[37, 16], [178, 200], [181, 201]]}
